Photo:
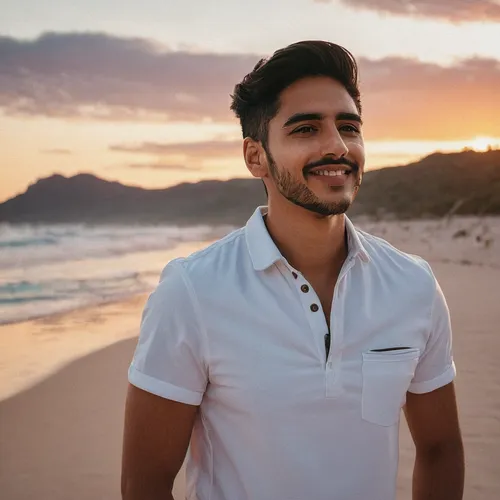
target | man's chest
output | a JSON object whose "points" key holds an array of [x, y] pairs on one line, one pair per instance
{"points": [[269, 355]]}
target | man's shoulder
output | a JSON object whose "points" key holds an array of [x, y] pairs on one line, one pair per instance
{"points": [[215, 258], [385, 254], [406, 273]]}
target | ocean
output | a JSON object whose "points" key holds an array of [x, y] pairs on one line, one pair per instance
{"points": [[47, 269]]}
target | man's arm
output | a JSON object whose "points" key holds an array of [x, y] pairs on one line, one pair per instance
{"points": [[439, 465], [156, 437]]}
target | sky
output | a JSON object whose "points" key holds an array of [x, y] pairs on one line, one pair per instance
{"points": [[139, 92]]}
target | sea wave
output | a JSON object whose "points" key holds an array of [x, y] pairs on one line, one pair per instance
{"points": [[32, 245], [50, 269]]}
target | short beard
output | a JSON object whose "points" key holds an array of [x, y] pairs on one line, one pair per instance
{"points": [[300, 195]]}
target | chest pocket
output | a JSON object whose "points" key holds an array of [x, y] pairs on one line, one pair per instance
{"points": [[386, 379]]}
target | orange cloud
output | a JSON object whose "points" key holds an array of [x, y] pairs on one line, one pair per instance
{"points": [[163, 166], [193, 155], [456, 11]]}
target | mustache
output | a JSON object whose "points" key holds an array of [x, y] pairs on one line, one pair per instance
{"points": [[331, 161]]}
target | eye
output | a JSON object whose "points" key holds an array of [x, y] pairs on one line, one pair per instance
{"points": [[305, 129], [350, 129]]}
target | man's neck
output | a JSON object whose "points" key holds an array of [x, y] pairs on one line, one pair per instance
{"points": [[313, 245]]}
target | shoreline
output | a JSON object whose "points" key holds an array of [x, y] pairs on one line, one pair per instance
{"points": [[61, 339], [73, 309], [134, 295], [65, 336]]}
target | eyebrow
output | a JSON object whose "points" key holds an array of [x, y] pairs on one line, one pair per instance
{"points": [[302, 117]]}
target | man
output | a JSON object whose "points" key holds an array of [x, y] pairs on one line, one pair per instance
{"points": [[283, 353]]}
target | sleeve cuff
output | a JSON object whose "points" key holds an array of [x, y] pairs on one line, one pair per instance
{"points": [[437, 382], [163, 389]]}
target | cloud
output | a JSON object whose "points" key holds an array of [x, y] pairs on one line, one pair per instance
{"points": [[190, 156], [57, 151], [162, 166], [106, 77], [456, 11], [197, 150]]}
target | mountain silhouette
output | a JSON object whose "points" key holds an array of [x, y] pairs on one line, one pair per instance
{"points": [[465, 183]]}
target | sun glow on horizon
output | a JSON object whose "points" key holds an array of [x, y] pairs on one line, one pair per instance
{"points": [[482, 144]]}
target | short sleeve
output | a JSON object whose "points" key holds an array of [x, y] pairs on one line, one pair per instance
{"points": [[169, 359], [436, 367]]}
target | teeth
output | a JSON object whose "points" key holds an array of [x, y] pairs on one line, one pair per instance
{"points": [[330, 173]]}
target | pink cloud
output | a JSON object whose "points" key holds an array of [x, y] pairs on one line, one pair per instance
{"points": [[457, 11], [105, 77], [202, 149]]}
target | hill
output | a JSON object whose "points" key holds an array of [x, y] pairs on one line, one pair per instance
{"points": [[89, 199], [466, 183]]}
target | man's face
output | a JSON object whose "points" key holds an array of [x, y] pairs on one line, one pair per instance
{"points": [[315, 151]]}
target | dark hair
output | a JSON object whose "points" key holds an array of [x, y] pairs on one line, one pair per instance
{"points": [[255, 100]]}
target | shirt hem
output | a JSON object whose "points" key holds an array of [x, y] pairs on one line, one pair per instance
{"points": [[163, 389], [437, 382]]}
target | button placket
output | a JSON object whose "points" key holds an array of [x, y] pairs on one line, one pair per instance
{"points": [[305, 288], [311, 304], [333, 365], [318, 324]]}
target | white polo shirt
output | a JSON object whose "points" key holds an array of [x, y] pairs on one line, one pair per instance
{"points": [[235, 329]]}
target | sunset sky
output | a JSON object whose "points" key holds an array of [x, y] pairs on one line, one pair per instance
{"points": [[139, 91]]}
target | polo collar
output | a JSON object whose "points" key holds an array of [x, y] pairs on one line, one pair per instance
{"points": [[264, 252], [354, 244]]}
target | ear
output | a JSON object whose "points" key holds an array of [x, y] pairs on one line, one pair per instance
{"points": [[255, 158]]}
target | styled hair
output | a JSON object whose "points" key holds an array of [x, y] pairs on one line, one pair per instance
{"points": [[255, 100]]}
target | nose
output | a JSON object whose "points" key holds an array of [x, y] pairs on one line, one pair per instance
{"points": [[333, 144]]}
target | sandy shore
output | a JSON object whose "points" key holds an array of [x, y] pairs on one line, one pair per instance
{"points": [[63, 383]]}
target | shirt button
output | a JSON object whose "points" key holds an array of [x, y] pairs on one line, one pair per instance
{"points": [[304, 288], [314, 308], [330, 364], [294, 275]]}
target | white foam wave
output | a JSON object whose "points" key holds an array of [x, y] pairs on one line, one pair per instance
{"points": [[30, 245]]}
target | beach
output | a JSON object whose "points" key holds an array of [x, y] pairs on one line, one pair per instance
{"points": [[63, 377]]}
